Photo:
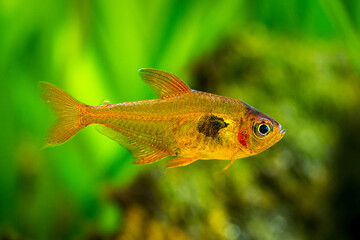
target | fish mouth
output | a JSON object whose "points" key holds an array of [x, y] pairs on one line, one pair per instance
{"points": [[281, 130]]}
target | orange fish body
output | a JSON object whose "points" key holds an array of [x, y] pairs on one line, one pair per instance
{"points": [[185, 123]]}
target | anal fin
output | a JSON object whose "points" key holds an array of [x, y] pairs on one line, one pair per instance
{"points": [[141, 152], [149, 157], [180, 161]]}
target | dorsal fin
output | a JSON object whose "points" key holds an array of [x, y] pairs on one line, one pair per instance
{"points": [[162, 82]]}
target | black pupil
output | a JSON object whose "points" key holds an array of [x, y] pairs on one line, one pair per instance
{"points": [[263, 129]]}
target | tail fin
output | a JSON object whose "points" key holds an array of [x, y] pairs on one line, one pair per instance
{"points": [[67, 109]]}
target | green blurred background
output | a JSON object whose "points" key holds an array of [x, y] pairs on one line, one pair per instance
{"points": [[297, 60]]}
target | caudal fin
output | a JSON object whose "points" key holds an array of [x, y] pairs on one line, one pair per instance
{"points": [[67, 109]]}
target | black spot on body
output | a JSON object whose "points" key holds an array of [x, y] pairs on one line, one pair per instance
{"points": [[210, 125]]}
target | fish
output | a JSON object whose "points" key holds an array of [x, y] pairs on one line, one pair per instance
{"points": [[187, 124]]}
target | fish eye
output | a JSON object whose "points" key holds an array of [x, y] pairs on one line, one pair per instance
{"points": [[262, 128]]}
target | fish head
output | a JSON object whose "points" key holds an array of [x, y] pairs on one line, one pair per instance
{"points": [[258, 132]]}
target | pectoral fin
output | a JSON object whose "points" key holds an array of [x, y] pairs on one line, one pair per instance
{"points": [[232, 160]]}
